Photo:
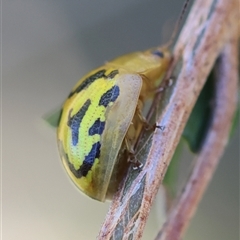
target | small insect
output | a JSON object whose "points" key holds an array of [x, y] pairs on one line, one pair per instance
{"points": [[102, 118]]}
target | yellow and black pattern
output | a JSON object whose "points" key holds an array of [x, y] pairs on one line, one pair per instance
{"points": [[97, 128], [89, 80], [97, 115], [75, 121], [83, 121]]}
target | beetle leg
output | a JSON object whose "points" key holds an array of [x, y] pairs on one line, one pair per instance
{"points": [[131, 153], [136, 164], [160, 127], [168, 82], [129, 146], [146, 125], [140, 114]]}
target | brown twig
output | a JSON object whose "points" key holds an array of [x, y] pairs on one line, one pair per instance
{"points": [[226, 73], [207, 29]]}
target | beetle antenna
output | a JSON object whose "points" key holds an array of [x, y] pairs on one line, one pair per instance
{"points": [[177, 25]]}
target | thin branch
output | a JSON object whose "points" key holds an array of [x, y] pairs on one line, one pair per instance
{"points": [[225, 105], [207, 29]]}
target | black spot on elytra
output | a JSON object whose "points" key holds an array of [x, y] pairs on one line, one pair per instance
{"points": [[75, 121], [90, 158], [87, 163], [88, 81], [96, 128], [91, 79], [112, 74], [110, 96]]}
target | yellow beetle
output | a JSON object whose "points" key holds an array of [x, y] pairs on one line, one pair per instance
{"points": [[102, 118]]}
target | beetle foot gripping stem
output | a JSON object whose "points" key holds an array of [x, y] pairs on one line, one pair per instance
{"points": [[137, 165], [153, 127], [160, 127], [167, 83]]}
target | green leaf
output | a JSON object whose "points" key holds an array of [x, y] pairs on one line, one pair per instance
{"points": [[53, 118], [198, 122], [235, 123]]}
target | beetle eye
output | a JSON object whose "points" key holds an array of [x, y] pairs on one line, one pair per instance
{"points": [[158, 53]]}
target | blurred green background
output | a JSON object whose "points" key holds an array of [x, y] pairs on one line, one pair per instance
{"points": [[46, 47]]}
